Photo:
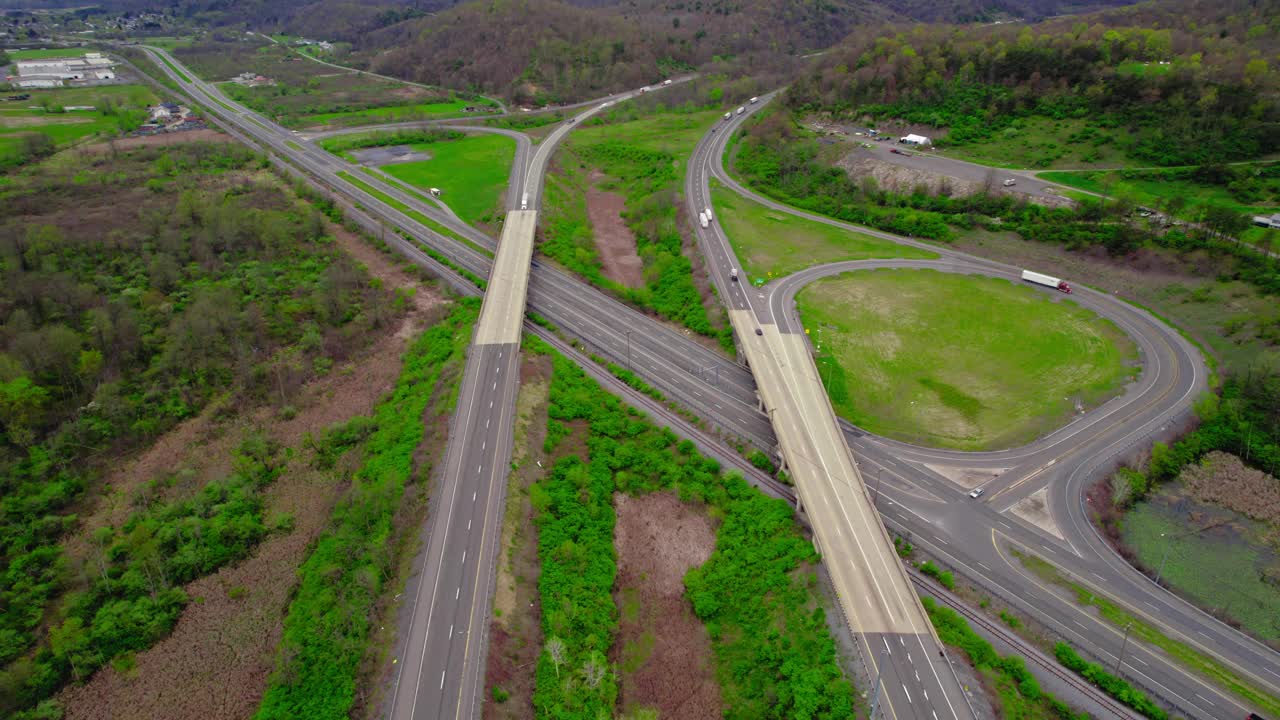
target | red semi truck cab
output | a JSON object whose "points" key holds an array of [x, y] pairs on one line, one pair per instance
{"points": [[1064, 287]]}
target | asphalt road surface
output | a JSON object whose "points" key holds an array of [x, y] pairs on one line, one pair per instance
{"points": [[971, 536]]}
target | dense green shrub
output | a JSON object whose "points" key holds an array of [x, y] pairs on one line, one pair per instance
{"points": [[358, 141], [1108, 683], [1019, 692], [775, 658], [328, 621]]}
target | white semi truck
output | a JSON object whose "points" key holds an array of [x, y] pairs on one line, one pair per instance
{"points": [[524, 201], [1046, 280], [709, 215]]}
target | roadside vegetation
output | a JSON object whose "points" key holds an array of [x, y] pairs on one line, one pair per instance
{"points": [[185, 276], [35, 128], [958, 361], [776, 244], [1146, 514], [1110, 684], [1202, 664], [1014, 687], [756, 594], [642, 159], [329, 622], [1202, 194]]}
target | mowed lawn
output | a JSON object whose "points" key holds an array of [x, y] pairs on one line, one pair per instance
{"points": [[956, 361], [672, 132], [395, 113], [471, 172], [773, 244]]}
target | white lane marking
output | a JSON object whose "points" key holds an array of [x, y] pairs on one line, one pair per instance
{"points": [[450, 629], [904, 692], [902, 642], [495, 385], [926, 695], [1080, 624], [490, 404], [473, 497], [1153, 607], [1273, 672], [1204, 698], [457, 592], [496, 370], [1135, 657], [442, 679], [483, 444], [464, 557], [468, 524], [1203, 635], [886, 646], [478, 468], [486, 423], [984, 567]]}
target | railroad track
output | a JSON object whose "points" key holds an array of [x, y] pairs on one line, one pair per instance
{"points": [[1025, 649]]}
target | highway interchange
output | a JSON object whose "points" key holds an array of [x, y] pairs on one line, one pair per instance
{"points": [[972, 536]]}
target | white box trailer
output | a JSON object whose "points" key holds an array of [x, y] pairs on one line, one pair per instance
{"points": [[1046, 280], [741, 109], [702, 219], [755, 100], [524, 201], [709, 215]]}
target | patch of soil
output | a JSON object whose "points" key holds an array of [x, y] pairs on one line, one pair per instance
{"points": [[409, 91], [662, 648], [515, 633], [614, 240], [389, 155], [217, 661], [171, 138]]}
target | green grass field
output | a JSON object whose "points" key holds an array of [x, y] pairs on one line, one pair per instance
{"points": [[472, 172], [773, 244], [49, 53], [1220, 568], [1152, 190], [65, 128], [955, 361], [395, 113], [1038, 142], [674, 133]]}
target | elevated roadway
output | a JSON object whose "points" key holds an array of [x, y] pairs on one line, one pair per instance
{"points": [[918, 501]]}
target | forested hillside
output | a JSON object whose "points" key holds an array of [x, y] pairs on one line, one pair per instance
{"points": [[1172, 83], [139, 288]]}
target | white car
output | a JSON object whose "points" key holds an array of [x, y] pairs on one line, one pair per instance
{"points": [[977, 492], [1010, 182]]}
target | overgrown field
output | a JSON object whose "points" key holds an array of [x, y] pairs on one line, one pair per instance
{"points": [[330, 620], [775, 244], [643, 160], [309, 93], [139, 289], [34, 128], [756, 594], [958, 361]]}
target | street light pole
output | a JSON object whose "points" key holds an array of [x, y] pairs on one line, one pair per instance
{"points": [[1162, 559], [1125, 644]]}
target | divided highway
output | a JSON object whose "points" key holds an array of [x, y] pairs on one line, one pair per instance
{"points": [[919, 497]]}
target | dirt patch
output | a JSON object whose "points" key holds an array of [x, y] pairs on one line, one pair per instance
{"points": [[662, 650], [614, 240], [1222, 479], [515, 634], [409, 91], [41, 120], [390, 155], [160, 140], [217, 661]]}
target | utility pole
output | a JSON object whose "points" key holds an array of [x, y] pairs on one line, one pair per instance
{"points": [[1120, 660], [1162, 559]]}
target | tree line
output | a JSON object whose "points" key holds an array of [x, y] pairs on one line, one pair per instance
{"points": [[1186, 92]]}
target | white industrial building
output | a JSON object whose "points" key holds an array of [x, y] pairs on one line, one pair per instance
{"points": [[53, 72]]}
